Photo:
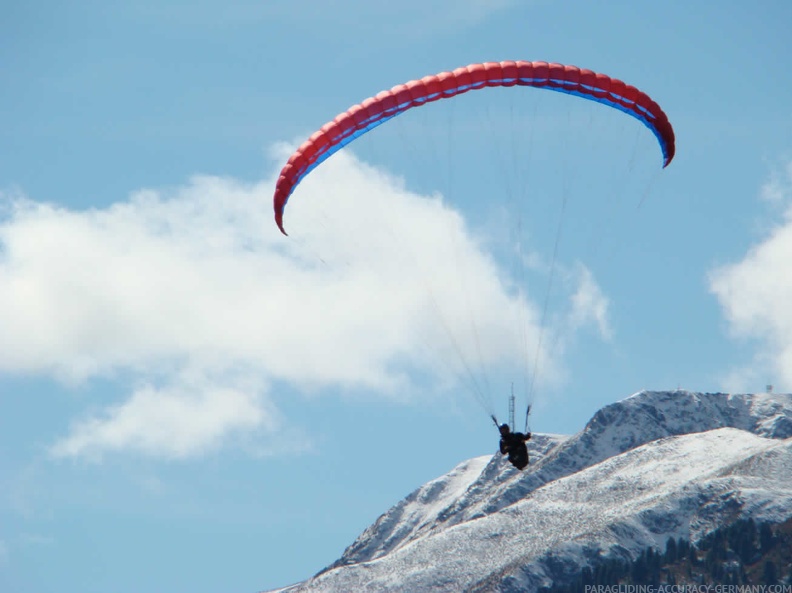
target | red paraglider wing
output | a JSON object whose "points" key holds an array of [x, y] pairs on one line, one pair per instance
{"points": [[376, 110]]}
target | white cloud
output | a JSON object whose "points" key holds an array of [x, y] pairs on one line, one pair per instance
{"points": [[426, 16], [176, 422], [415, 17], [36, 539], [756, 293], [590, 305], [194, 294], [778, 189]]}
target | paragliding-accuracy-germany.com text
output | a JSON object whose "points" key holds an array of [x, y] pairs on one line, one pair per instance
{"points": [[692, 588]]}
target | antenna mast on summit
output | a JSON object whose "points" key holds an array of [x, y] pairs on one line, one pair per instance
{"points": [[511, 408]]}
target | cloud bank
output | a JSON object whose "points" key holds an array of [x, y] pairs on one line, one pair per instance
{"points": [[755, 293], [192, 300]]}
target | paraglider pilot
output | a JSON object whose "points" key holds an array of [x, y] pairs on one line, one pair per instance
{"points": [[513, 444]]}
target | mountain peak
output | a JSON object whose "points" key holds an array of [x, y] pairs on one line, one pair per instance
{"points": [[654, 465]]}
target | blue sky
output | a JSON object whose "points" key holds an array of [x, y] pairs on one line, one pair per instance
{"points": [[190, 401]]}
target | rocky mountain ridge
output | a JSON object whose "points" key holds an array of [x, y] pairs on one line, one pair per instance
{"points": [[653, 466]]}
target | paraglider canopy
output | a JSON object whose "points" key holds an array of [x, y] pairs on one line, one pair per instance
{"points": [[376, 110]]}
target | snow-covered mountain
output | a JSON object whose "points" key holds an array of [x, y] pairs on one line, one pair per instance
{"points": [[653, 466]]}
